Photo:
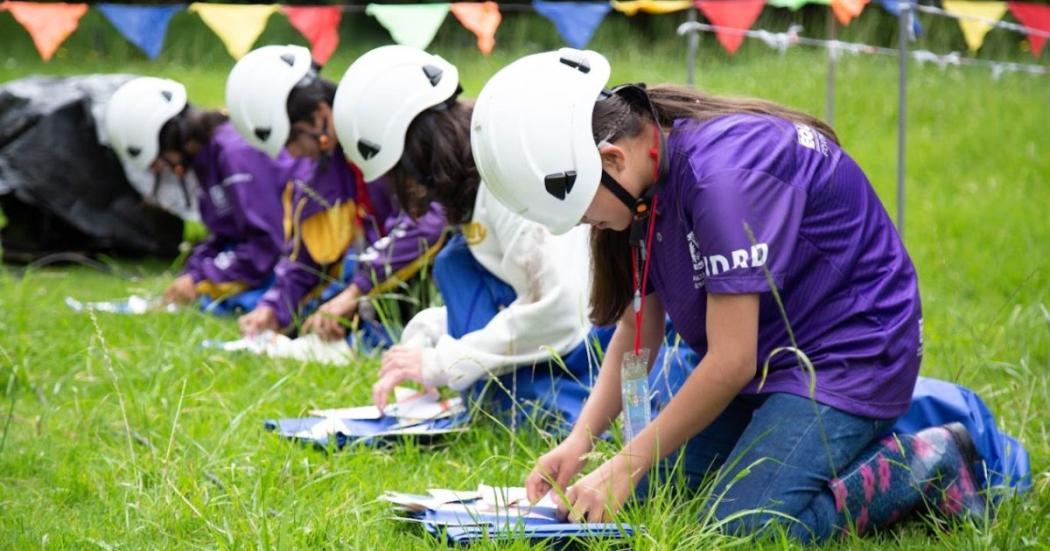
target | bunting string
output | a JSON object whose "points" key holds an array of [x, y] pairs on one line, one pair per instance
{"points": [[238, 26], [781, 41]]}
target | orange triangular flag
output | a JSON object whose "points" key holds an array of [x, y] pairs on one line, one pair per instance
{"points": [[846, 10], [49, 25], [739, 14], [480, 18]]}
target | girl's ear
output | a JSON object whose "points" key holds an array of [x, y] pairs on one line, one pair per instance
{"points": [[614, 158]]}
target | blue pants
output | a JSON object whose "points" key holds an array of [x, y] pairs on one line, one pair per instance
{"points": [[789, 447], [792, 447], [553, 390]]}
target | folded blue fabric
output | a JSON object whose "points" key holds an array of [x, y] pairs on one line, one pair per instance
{"points": [[465, 525], [366, 432]]}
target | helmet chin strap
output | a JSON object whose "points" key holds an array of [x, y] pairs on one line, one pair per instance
{"points": [[635, 95], [640, 206]]}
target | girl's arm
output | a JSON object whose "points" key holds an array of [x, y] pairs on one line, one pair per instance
{"points": [[556, 468], [729, 365], [548, 316]]}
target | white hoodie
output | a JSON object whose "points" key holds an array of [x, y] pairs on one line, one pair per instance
{"points": [[549, 273]]}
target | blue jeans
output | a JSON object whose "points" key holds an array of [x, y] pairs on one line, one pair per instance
{"points": [[773, 454]]}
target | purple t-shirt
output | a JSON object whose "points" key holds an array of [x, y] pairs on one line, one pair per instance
{"points": [[848, 286]]}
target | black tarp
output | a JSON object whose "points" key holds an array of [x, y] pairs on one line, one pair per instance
{"points": [[61, 190]]}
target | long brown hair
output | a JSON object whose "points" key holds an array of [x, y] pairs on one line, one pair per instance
{"points": [[615, 118], [437, 164]]}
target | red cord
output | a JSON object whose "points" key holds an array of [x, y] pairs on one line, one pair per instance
{"points": [[365, 200], [640, 289]]}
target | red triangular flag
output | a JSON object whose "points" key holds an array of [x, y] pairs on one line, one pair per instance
{"points": [[47, 24], [320, 25], [1035, 16], [735, 14]]}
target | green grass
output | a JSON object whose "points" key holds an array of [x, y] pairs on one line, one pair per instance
{"points": [[123, 432]]}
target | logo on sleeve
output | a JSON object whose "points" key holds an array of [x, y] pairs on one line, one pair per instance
{"points": [[224, 260], [715, 264], [811, 138], [218, 198]]}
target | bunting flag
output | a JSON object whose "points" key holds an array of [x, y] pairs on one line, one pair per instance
{"points": [[237, 25], [320, 26], [143, 26], [735, 15], [1034, 16], [846, 10], [480, 18], [794, 5], [576, 21], [410, 24], [973, 29], [49, 25], [631, 8], [894, 7]]}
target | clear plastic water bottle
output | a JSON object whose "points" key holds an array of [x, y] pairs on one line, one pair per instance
{"points": [[634, 383]]}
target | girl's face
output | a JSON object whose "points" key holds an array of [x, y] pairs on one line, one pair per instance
{"points": [[628, 162], [315, 137]]}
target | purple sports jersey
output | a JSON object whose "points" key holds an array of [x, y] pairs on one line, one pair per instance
{"points": [[819, 232], [388, 240], [239, 201]]}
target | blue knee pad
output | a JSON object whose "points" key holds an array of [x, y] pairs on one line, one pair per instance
{"points": [[235, 305]]}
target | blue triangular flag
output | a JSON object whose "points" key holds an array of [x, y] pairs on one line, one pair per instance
{"points": [[894, 7], [576, 21], [143, 26]]}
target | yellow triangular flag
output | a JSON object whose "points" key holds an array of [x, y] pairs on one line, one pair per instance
{"points": [[237, 25], [973, 30], [632, 7]]}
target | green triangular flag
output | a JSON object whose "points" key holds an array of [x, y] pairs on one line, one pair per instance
{"points": [[410, 25]]}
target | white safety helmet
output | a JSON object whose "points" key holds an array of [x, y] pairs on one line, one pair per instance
{"points": [[257, 94], [380, 95], [531, 135], [135, 114]]}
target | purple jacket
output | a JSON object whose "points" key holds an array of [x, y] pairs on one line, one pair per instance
{"points": [[323, 219], [239, 201]]}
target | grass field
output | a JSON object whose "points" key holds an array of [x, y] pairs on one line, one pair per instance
{"points": [[123, 432]]}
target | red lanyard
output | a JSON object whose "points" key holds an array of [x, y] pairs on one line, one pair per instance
{"points": [[641, 283]]}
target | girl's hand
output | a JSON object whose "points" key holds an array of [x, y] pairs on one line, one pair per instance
{"points": [[181, 291], [558, 466], [597, 496], [328, 321], [263, 318], [400, 363]]}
